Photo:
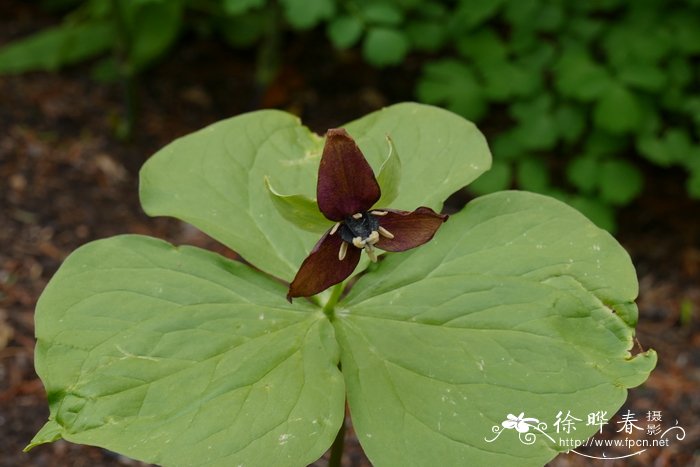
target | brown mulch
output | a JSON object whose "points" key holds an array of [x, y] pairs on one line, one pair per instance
{"points": [[66, 179]]}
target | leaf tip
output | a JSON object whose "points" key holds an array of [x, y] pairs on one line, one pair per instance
{"points": [[50, 432]]}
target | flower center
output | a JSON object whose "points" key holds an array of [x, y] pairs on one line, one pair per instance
{"points": [[360, 229]]}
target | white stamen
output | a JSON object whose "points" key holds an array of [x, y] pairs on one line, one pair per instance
{"points": [[358, 242], [385, 232], [357, 215], [335, 228], [373, 237], [370, 252], [343, 251], [380, 213]]}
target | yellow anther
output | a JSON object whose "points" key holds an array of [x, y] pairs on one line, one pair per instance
{"points": [[343, 251], [385, 232], [370, 252], [335, 228], [373, 237], [357, 215], [379, 213]]}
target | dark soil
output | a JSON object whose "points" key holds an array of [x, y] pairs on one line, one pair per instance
{"points": [[66, 179]]}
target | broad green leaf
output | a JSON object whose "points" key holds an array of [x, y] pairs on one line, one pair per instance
{"points": [[154, 26], [214, 178], [106, 70], [305, 14], [618, 110], [537, 128], [578, 76], [472, 13], [385, 46], [519, 304], [549, 17], [428, 10], [636, 43], [643, 76], [506, 147], [236, 7], [602, 143], [684, 28], [585, 29], [428, 36], [674, 147], [537, 132], [570, 121], [582, 172], [598, 6], [389, 176], [523, 13], [522, 110], [300, 210], [533, 175], [502, 80], [692, 108], [345, 31], [452, 84], [497, 179], [693, 184], [53, 48], [679, 72], [382, 14], [177, 356], [523, 38], [245, 29], [483, 46], [619, 182], [540, 59], [598, 211]]}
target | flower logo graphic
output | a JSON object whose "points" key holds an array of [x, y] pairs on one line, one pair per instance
{"points": [[520, 423]]}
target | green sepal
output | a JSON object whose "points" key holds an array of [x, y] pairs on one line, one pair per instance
{"points": [[389, 177], [300, 210]]}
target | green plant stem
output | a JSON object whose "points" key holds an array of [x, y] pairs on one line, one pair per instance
{"points": [[268, 59], [337, 447], [333, 300], [126, 72]]}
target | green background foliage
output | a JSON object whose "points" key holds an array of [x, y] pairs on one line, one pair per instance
{"points": [[576, 88]]}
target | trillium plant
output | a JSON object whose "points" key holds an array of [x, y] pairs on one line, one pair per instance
{"points": [[444, 329]]}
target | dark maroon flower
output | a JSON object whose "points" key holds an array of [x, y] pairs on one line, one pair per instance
{"points": [[346, 192]]}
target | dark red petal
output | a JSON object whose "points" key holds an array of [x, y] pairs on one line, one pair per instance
{"points": [[410, 229], [322, 268], [346, 183]]}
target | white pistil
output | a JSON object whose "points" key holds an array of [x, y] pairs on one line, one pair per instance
{"points": [[335, 228], [357, 215], [379, 213], [370, 252], [385, 232], [373, 237], [343, 251], [358, 242]]}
